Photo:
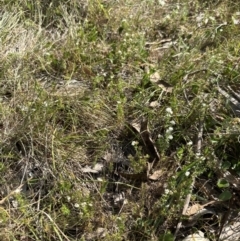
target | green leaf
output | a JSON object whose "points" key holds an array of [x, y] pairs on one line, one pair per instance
{"points": [[226, 195], [226, 165], [167, 237], [222, 183]]}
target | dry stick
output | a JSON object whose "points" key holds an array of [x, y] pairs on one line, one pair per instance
{"points": [[188, 197]]}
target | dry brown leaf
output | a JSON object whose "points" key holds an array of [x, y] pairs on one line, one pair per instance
{"points": [[154, 104], [156, 175], [155, 77], [108, 156], [197, 207], [136, 126], [194, 209], [165, 86], [96, 169], [88, 169]]}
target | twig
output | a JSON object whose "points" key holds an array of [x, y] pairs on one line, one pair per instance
{"points": [[188, 197], [185, 207]]}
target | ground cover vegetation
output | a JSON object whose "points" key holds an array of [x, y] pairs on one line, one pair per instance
{"points": [[119, 119]]}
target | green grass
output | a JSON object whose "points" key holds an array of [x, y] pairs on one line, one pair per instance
{"points": [[74, 76]]}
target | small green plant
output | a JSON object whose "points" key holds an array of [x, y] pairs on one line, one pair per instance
{"points": [[139, 160]]}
